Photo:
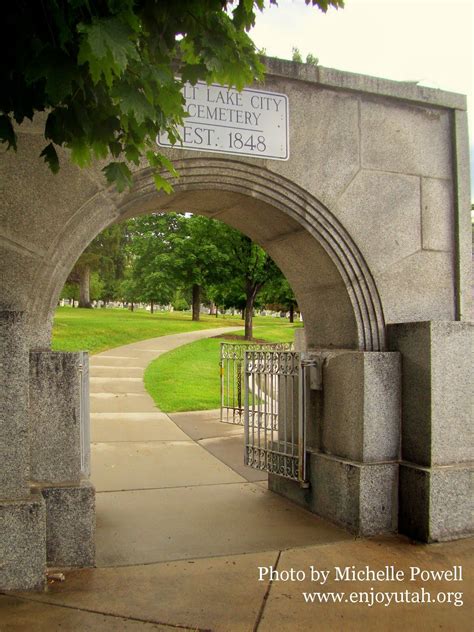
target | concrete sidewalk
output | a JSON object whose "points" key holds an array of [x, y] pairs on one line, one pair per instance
{"points": [[183, 527]]}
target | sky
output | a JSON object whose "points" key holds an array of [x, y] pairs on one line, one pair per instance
{"points": [[429, 41]]}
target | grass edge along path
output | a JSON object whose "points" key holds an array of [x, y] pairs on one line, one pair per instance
{"points": [[96, 330], [188, 378]]}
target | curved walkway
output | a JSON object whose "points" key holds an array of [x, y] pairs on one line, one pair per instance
{"points": [[175, 487]]}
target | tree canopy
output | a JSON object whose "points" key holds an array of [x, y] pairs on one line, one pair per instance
{"points": [[172, 250], [175, 258], [250, 268], [109, 73]]}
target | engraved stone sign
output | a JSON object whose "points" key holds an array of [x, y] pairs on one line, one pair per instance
{"points": [[220, 119]]}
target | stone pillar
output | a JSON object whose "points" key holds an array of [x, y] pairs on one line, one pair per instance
{"points": [[22, 514], [60, 454], [354, 443], [437, 446]]}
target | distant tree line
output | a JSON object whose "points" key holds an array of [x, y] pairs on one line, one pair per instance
{"points": [[180, 260]]}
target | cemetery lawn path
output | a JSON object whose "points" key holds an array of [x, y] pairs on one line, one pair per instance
{"points": [[188, 378], [97, 330]]}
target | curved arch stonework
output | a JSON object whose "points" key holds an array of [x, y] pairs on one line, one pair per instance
{"points": [[197, 175], [252, 191]]}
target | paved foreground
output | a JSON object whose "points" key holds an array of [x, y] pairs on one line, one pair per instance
{"points": [[183, 528]]}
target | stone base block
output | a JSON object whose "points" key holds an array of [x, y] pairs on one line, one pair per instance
{"points": [[360, 497], [23, 543], [436, 503], [70, 525]]}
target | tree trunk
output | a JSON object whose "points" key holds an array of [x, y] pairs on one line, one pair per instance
{"points": [[292, 313], [132, 306], [196, 301], [152, 307], [242, 313], [217, 311], [84, 287], [249, 317]]}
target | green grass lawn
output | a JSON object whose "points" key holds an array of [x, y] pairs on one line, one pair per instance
{"points": [[96, 330], [184, 379], [188, 378]]}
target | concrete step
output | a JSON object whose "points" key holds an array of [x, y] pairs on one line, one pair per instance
{"points": [[123, 402], [117, 385], [114, 361], [116, 371]]}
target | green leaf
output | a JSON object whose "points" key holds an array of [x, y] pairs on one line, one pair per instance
{"points": [[80, 152], [107, 47], [115, 148], [133, 103], [59, 71], [132, 154], [51, 157], [325, 4], [100, 149], [158, 160], [161, 183], [119, 174]]}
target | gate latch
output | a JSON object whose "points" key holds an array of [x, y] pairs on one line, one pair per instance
{"points": [[314, 367]]}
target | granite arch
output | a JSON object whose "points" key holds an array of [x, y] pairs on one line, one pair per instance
{"points": [[200, 188]]}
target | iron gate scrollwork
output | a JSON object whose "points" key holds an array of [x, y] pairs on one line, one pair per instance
{"points": [[232, 376], [275, 388]]}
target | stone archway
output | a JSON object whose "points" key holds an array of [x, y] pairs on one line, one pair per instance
{"points": [[369, 220], [305, 234]]}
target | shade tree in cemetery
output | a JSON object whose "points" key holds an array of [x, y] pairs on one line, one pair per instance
{"points": [[163, 258], [149, 276], [200, 256], [195, 253], [250, 269], [173, 251], [71, 289]]}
